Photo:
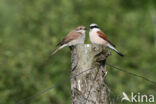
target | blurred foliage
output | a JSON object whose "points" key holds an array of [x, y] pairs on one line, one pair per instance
{"points": [[30, 29]]}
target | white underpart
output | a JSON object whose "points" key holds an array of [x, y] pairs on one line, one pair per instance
{"points": [[95, 38], [79, 40], [79, 86]]}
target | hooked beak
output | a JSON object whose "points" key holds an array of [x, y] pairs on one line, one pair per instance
{"points": [[85, 28]]}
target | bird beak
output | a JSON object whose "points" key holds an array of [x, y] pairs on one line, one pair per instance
{"points": [[85, 28]]}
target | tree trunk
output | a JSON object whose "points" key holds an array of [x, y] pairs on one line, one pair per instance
{"points": [[88, 74]]}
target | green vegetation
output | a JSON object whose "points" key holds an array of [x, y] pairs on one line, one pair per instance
{"points": [[30, 29]]}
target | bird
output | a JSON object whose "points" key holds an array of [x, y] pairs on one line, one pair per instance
{"points": [[76, 36], [97, 36]]}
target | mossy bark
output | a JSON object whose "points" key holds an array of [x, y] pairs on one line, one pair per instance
{"points": [[88, 74]]}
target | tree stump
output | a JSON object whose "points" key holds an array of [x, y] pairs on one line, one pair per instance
{"points": [[88, 74]]}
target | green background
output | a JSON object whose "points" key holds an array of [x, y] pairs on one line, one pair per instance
{"points": [[30, 30]]}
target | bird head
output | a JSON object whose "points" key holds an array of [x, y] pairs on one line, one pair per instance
{"points": [[93, 25], [81, 29]]}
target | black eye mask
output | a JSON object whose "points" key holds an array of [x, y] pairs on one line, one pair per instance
{"points": [[91, 27]]}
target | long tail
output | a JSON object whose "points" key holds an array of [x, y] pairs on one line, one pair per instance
{"points": [[56, 50], [110, 46]]}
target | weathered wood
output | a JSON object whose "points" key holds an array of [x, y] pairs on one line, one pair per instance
{"points": [[88, 74]]}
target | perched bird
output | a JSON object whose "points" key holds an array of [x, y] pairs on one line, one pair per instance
{"points": [[99, 37], [76, 36]]}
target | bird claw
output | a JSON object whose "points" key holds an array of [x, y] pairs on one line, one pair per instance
{"points": [[71, 47]]}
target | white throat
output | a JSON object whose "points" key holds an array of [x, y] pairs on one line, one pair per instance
{"points": [[94, 37], [82, 31]]}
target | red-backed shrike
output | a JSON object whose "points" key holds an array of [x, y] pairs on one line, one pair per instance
{"points": [[99, 37], [76, 36]]}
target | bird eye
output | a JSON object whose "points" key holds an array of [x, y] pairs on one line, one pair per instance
{"points": [[80, 28]]}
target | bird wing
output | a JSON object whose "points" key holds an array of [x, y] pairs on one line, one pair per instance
{"points": [[103, 36], [71, 36]]}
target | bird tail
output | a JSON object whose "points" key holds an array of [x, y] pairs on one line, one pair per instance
{"points": [[57, 49], [110, 46]]}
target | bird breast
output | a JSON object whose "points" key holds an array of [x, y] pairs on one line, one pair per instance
{"points": [[96, 39], [79, 40]]}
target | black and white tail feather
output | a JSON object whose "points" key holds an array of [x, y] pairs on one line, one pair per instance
{"points": [[113, 48]]}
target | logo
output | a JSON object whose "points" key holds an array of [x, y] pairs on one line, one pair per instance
{"points": [[138, 97]]}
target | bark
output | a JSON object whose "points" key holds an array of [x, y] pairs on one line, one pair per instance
{"points": [[88, 74]]}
